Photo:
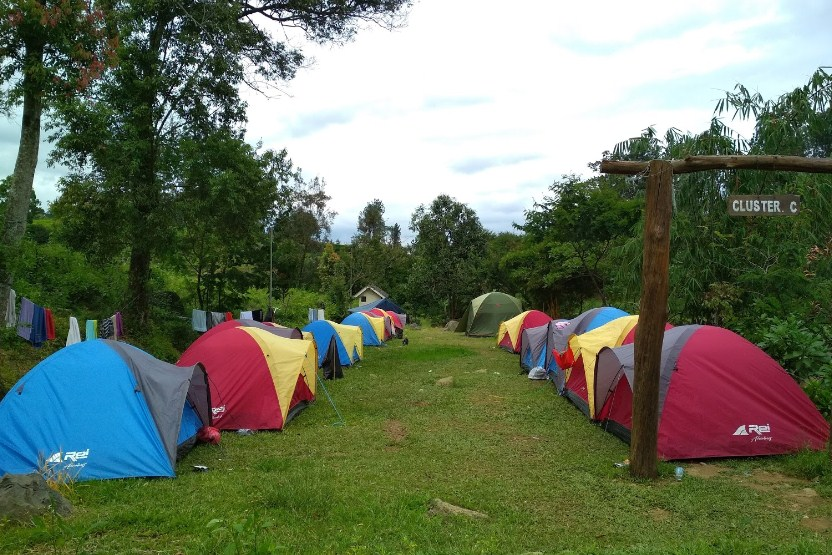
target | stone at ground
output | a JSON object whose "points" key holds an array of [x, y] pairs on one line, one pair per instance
{"points": [[23, 496], [451, 325], [445, 382], [439, 507]]}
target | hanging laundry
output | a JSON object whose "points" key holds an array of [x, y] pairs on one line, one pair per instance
{"points": [[257, 315], [74, 335], [92, 330], [217, 318], [119, 331], [105, 328], [246, 315], [38, 335], [228, 316], [50, 324], [198, 320], [11, 316], [24, 323]]}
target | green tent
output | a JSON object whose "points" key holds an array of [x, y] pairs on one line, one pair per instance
{"points": [[484, 314]]}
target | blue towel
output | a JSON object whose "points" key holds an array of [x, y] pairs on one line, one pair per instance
{"points": [[38, 335]]}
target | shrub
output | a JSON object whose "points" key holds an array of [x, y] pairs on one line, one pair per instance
{"points": [[801, 350], [293, 309]]}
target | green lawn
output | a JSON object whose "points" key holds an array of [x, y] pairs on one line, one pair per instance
{"points": [[494, 442]]}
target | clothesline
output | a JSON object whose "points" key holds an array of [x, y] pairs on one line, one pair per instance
{"points": [[203, 320], [36, 324]]}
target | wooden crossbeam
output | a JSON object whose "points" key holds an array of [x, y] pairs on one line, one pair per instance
{"points": [[692, 164]]}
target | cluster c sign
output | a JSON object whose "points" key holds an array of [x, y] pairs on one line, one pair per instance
{"points": [[764, 205]]}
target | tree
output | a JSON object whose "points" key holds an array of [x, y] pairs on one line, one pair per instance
{"points": [[368, 253], [51, 49], [35, 209], [306, 226], [395, 236], [582, 223], [181, 66], [222, 211], [371, 222], [499, 276], [736, 271], [332, 275], [449, 256]]}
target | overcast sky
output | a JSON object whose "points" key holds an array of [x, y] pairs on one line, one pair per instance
{"points": [[490, 102]]}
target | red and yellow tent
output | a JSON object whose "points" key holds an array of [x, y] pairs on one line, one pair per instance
{"points": [[510, 333], [259, 380]]}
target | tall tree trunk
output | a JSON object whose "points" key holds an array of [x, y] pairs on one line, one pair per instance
{"points": [[20, 192], [144, 232], [299, 281], [147, 196], [139, 279]]}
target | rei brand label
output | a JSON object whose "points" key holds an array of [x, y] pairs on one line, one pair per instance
{"points": [[757, 432], [74, 459]]}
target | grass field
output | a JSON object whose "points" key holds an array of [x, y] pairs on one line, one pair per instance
{"points": [[493, 442]]}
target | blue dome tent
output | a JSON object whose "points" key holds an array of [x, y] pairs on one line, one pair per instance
{"points": [[325, 332], [102, 409], [370, 337]]}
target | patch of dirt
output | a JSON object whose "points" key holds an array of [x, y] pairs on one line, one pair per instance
{"points": [[659, 515], [774, 478], [703, 470], [771, 482], [395, 431], [421, 404], [817, 524], [806, 497], [487, 399], [789, 493]]}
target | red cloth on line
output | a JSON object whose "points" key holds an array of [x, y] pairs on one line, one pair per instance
{"points": [[50, 323], [564, 360], [228, 316]]}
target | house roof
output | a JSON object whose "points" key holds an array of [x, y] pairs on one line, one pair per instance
{"points": [[375, 288], [384, 304]]}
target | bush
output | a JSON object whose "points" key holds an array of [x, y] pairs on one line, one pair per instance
{"points": [[801, 350], [804, 351], [293, 309], [53, 275]]}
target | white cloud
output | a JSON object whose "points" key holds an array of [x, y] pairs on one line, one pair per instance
{"points": [[490, 102]]}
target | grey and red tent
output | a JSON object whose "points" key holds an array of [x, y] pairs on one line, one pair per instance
{"points": [[533, 346], [560, 333], [719, 396]]}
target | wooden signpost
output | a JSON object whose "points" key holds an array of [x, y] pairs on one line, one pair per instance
{"points": [[655, 276]]}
